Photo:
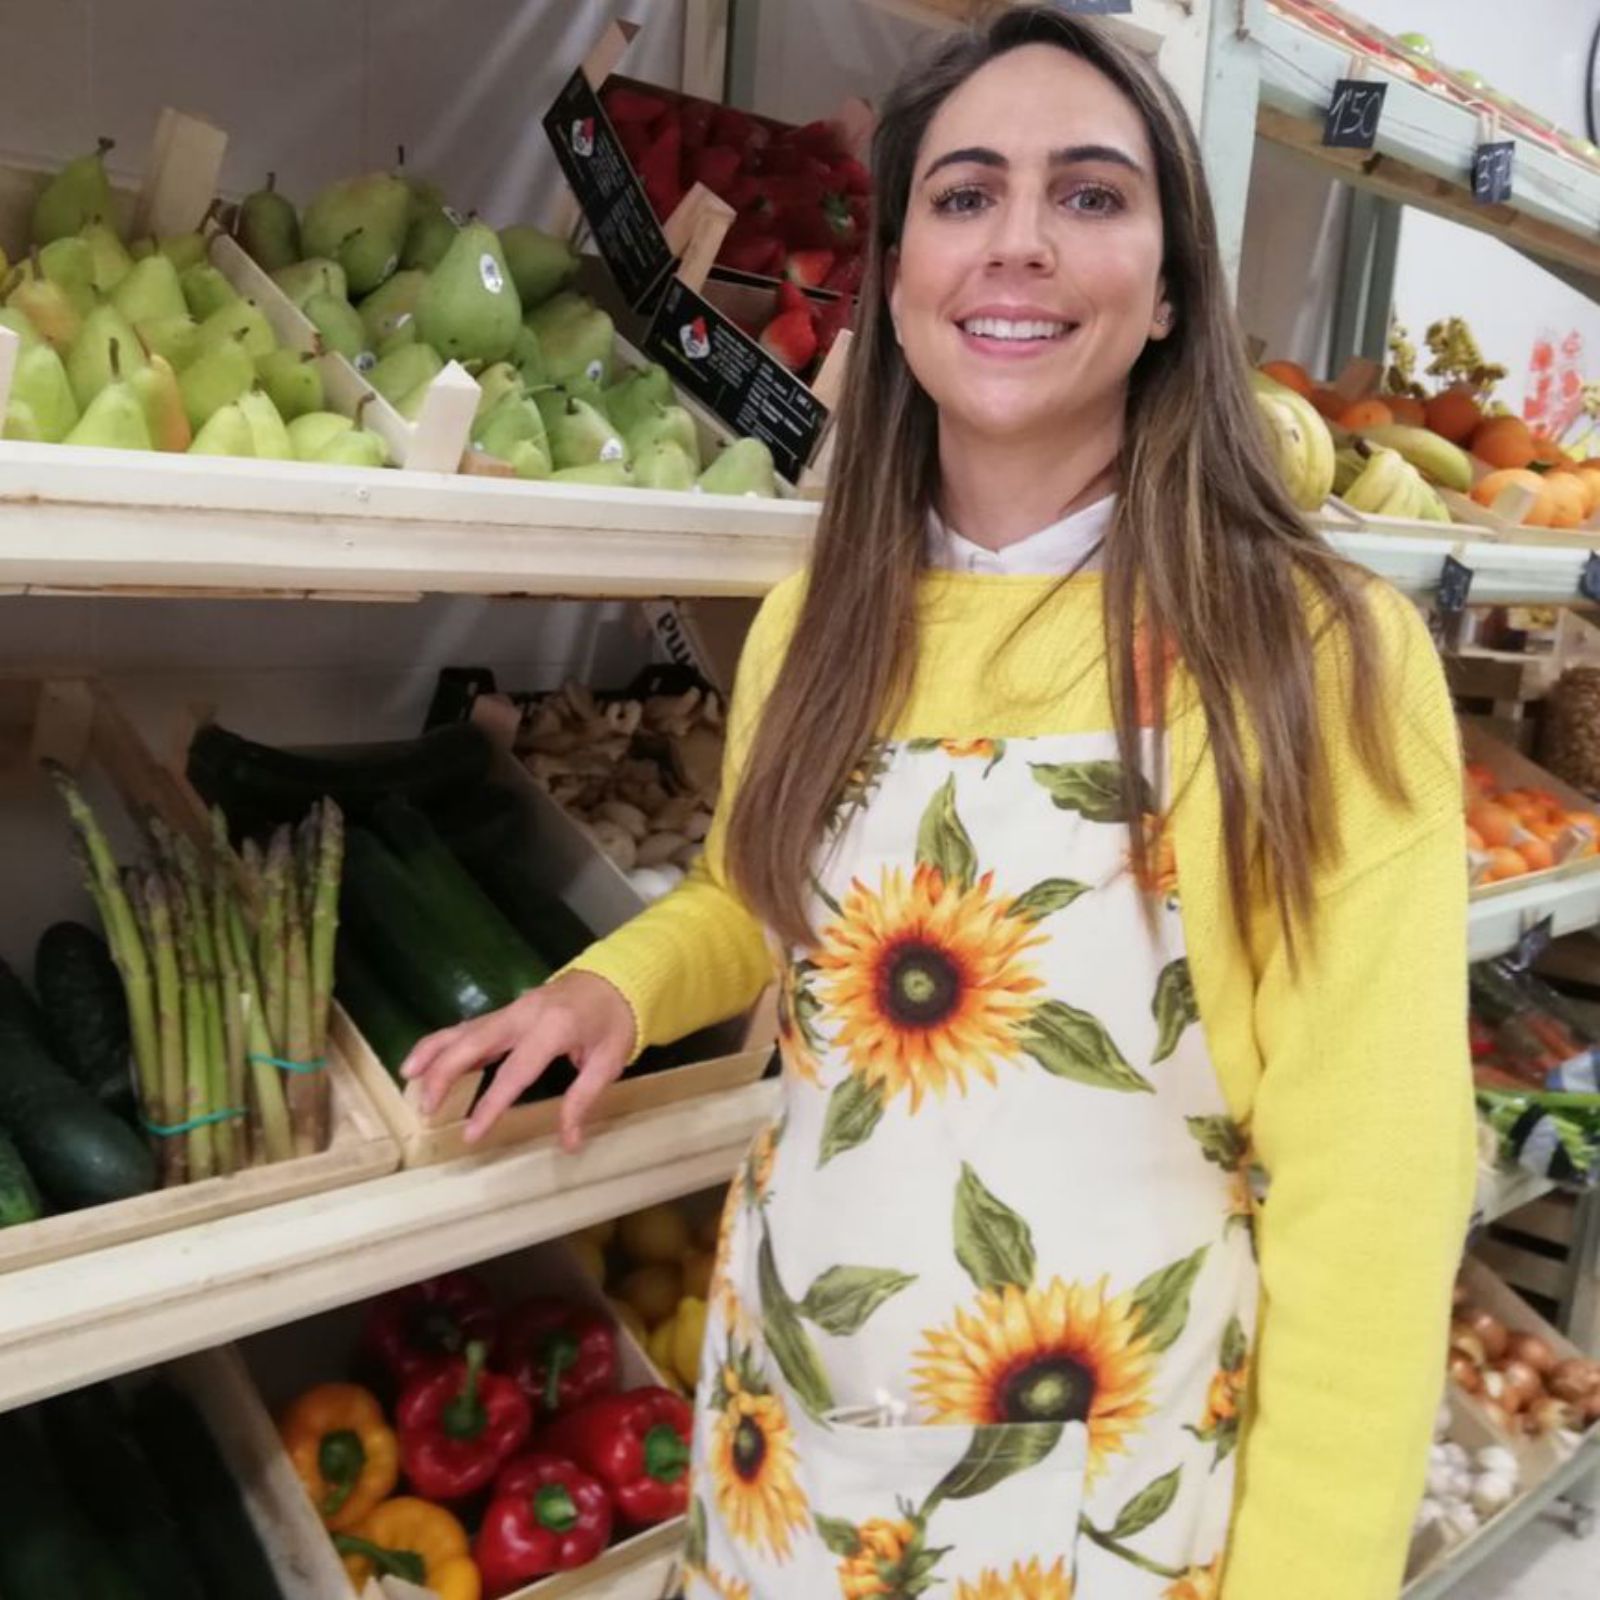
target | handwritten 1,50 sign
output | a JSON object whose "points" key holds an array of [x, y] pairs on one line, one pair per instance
{"points": [[1353, 117]]}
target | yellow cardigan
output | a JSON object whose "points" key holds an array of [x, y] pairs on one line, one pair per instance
{"points": [[1351, 1072]]}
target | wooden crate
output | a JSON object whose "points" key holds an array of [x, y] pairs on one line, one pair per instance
{"points": [[282, 1362], [76, 723]]}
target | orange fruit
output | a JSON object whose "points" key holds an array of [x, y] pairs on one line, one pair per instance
{"points": [[1366, 414], [1588, 824], [1589, 482], [1454, 414], [1494, 823], [1567, 499], [1475, 840], [1548, 453], [1537, 854], [1291, 375], [1504, 442], [1480, 778], [1489, 488], [1328, 401], [1504, 862], [1407, 409]]}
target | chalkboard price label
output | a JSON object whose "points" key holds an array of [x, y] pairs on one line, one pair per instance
{"points": [[1095, 8], [1353, 116], [1533, 943], [1589, 579], [1491, 172], [1455, 584]]}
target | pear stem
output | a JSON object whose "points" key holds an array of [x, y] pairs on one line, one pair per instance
{"points": [[116, 360], [272, 181]]}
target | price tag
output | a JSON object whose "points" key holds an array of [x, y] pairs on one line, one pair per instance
{"points": [[1455, 584], [625, 229], [726, 370], [1353, 117], [1491, 172], [1533, 943], [1095, 8], [1589, 579]]}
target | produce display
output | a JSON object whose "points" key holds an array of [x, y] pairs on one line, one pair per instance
{"points": [[110, 1498], [801, 197], [1465, 1489], [801, 329], [1527, 1035], [1514, 831], [507, 1432]]}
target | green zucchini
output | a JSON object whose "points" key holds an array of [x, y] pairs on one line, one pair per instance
{"points": [[19, 1194], [18, 1006], [85, 1011], [270, 786], [79, 1153], [386, 1023], [204, 1496]]}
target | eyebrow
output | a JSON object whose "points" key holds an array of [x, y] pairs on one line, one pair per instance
{"points": [[1070, 155]]}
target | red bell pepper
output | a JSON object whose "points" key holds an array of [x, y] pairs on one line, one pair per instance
{"points": [[637, 1444], [416, 1330], [458, 1426], [546, 1515], [560, 1353]]}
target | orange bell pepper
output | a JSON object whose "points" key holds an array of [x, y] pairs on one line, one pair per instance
{"points": [[347, 1456]]}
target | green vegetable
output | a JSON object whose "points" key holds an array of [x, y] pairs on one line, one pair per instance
{"points": [[85, 1011], [385, 1022], [19, 1195]]}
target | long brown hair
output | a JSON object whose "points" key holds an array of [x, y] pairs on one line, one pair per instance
{"points": [[1206, 547]]}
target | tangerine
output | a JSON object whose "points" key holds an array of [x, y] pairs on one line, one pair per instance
{"points": [[1589, 482], [1489, 488], [1494, 824], [1504, 442], [1454, 414], [1475, 840], [1504, 862], [1537, 854], [1366, 414], [1291, 375], [1567, 499], [1547, 452], [1407, 409]]}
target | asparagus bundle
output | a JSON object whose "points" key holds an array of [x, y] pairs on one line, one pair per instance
{"points": [[228, 970]]}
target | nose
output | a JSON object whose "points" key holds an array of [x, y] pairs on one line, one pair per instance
{"points": [[1020, 237]]}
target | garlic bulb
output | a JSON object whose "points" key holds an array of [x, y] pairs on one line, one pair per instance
{"points": [[1492, 1492], [1495, 1459]]}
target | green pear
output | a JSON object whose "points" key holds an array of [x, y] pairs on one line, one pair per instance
{"points": [[183, 250], [360, 447], [69, 264], [529, 459], [582, 436], [293, 380], [360, 223], [268, 229], [580, 347], [47, 307], [429, 237], [243, 320], [601, 474], [106, 347], [214, 379], [78, 195], [632, 397], [115, 420], [226, 433], [665, 464], [396, 376], [303, 279], [206, 290], [666, 422], [176, 338], [515, 420], [20, 424], [150, 292], [745, 467], [309, 433], [469, 310], [269, 438], [527, 356], [391, 307], [112, 263], [20, 324], [41, 381], [141, 248], [559, 309], [495, 384], [340, 326], [405, 334], [541, 265], [156, 385]]}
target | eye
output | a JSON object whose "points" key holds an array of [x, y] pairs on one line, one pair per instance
{"points": [[1095, 200], [961, 199]]}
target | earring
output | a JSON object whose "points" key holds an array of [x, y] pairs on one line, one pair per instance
{"points": [[1164, 317]]}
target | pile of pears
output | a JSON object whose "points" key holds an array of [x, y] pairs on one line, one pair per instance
{"points": [[400, 284], [146, 346]]}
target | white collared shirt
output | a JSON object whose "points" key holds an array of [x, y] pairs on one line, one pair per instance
{"points": [[1059, 548]]}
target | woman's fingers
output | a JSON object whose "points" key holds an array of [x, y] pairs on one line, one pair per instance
{"points": [[441, 1058], [600, 1069], [539, 1045]]}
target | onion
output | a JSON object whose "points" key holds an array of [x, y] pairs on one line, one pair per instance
{"points": [[1465, 1373], [1572, 1380], [1522, 1384], [1549, 1415], [1493, 1333], [1534, 1351], [1466, 1343], [1498, 1417]]}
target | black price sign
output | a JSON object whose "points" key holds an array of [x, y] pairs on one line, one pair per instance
{"points": [[1533, 943], [1353, 117], [1589, 579], [1095, 8], [614, 204], [1491, 172], [729, 372], [1455, 584]]}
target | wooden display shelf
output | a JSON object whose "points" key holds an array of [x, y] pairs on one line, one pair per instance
{"points": [[153, 1299]]}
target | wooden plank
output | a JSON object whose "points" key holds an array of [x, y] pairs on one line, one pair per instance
{"points": [[705, 48]]}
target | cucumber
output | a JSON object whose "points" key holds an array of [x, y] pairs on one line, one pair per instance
{"points": [[204, 1495], [19, 1006], [386, 1023], [85, 1011], [19, 1195], [79, 1153], [269, 786]]}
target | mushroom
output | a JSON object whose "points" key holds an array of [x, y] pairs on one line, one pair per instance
{"points": [[660, 847], [629, 818], [616, 843]]}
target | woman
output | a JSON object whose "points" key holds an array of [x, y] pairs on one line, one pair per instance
{"points": [[1105, 831]]}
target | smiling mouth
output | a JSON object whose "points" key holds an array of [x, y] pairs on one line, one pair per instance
{"points": [[1030, 330]]}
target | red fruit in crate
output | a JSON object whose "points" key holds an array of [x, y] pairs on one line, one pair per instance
{"points": [[815, 138], [624, 104], [851, 176], [717, 167], [799, 192], [791, 297], [660, 170], [732, 126], [837, 315], [844, 219], [697, 118], [791, 339], [761, 255], [743, 192], [846, 276], [809, 268], [786, 160]]}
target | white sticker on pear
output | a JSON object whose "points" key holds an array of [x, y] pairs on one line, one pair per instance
{"points": [[612, 450], [453, 215], [365, 361], [489, 270], [595, 371]]}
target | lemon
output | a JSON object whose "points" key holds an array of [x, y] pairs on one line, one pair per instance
{"points": [[697, 1267], [662, 1349], [652, 1291], [688, 1334], [656, 1234]]}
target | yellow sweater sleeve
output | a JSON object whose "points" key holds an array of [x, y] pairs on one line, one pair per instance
{"points": [[698, 956], [1363, 1118]]}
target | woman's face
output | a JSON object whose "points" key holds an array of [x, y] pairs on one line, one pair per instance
{"points": [[1029, 273]]}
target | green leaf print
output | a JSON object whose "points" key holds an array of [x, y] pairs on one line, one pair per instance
{"points": [[855, 1108], [1072, 1044], [842, 1299], [1222, 1141], [942, 842], [998, 1451], [1052, 894], [1162, 1300], [695, 1546], [922, 747], [1147, 1507], [993, 1244], [1235, 1346], [838, 1535], [787, 1338], [1093, 789], [1174, 1007]]}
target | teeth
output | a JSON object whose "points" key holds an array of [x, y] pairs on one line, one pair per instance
{"points": [[1003, 328]]}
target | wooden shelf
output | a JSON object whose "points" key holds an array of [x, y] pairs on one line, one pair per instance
{"points": [[73, 1322], [1495, 925]]}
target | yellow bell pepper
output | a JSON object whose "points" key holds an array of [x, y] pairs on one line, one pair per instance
{"points": [[415, 1540], [347, 1456], [688, 1334], [662, 1350]]}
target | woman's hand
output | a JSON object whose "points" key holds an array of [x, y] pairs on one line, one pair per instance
{"points": [[576, 1015]]}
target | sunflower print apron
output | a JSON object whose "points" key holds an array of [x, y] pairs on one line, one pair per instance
{"points": [[983, 1309]]}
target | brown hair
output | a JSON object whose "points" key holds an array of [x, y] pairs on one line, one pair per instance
{"points": [[1206, 546]]}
